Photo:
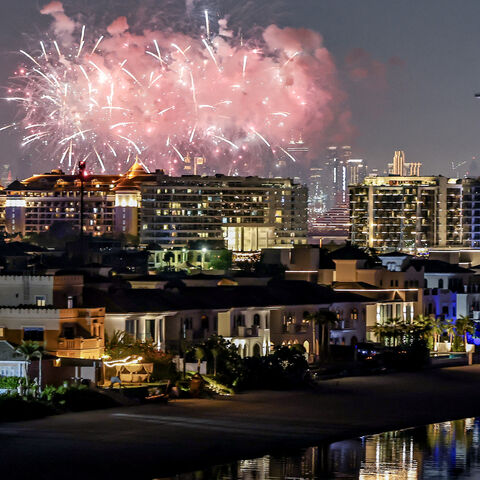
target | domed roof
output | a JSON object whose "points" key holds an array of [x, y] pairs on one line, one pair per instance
{"points": [[138, 168]]}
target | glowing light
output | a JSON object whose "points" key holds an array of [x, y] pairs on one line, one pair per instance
{"points": [[124, 93], [130, 360]]}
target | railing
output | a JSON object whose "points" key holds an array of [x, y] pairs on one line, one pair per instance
{"points": [[78, 343]]}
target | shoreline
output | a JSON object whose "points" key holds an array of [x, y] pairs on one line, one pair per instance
{"points": [[156, 441]]}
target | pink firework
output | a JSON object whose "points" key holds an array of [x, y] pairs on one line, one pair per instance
{"points": [[165, 95]]}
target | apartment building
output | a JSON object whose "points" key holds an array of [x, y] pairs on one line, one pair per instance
{"points": [[247, 213], [413, 214], [244, 213]]}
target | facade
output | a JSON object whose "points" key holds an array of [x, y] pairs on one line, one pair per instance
{"points": [[413, 214], [41, 290], [255, 318], [68, 332], [247, 213]]}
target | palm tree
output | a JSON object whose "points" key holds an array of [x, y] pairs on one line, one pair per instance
{"points": [[324, 318], [199, 355], [215, 352], [464, 325], [391, 329], [438, 327], [421, 328], [31, 350], [450, 328]]}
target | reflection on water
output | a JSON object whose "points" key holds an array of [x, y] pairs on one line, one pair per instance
{"points": [[440, 451]]}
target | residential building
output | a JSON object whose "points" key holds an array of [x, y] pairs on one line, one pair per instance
{"points": [[64, 332], [110, 202], [255, 318], [244, 213], [411, 214], [62, 289]]}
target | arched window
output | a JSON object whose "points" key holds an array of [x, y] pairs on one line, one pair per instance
{"points": [[204, 322], [256, 320], [306, 346], [256, 350], [354, 314], [440, 283]]}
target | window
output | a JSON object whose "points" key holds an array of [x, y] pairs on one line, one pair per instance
{"points": [[40, 300], [354, 314], [36, 334], [204, 322], [130, 327], [440, 283], [256, 320], [150, 329]]}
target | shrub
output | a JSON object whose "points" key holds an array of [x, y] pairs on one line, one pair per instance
{"points": [[10, 383]]}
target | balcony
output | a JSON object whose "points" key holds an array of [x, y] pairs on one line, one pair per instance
{"points": [[80, 347], [248, 331]]}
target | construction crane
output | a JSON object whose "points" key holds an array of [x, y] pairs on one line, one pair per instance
{"points": [[456, 166]]}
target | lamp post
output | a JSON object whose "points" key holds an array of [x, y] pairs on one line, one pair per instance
{"points": [[82, 173]]}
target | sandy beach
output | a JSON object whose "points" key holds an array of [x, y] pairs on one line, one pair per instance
{"points": [[155, 441]]}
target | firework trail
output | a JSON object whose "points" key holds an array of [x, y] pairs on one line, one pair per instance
{"points": [[165, 94]]}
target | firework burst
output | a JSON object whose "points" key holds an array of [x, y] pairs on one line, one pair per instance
{"points": [[163, 95]]}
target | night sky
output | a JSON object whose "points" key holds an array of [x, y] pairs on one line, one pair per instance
{"points": [[409, 69]]}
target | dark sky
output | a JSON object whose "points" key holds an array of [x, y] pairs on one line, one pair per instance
{"points": [[422, 59]]}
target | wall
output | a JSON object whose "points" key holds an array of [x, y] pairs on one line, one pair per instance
{"points": [[22, 289]]}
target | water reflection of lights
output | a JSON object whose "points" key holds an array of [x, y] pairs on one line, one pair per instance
{"points": [[389, 458], [435, 451]]}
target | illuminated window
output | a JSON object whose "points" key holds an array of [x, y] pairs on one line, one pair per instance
{"points": [[40, 300]]}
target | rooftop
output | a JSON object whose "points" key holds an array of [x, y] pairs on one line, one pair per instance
{"points": [[219, 297]]}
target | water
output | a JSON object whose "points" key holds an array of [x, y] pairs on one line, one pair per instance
{"points": [[448, 450]]}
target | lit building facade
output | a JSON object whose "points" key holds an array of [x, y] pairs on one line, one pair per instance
{"points": [[414, 213], [247, 213]]}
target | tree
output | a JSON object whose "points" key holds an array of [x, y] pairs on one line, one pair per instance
{"points": [[169, 257], [221, 259], [391, 330], [325, 319], [31, 350], [438, 327], [450, 327], [215, 351], [199, 355], [464, 325]]}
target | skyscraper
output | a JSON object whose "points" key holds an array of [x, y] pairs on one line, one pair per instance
{"points": [[401, 167], [356, 171]]}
